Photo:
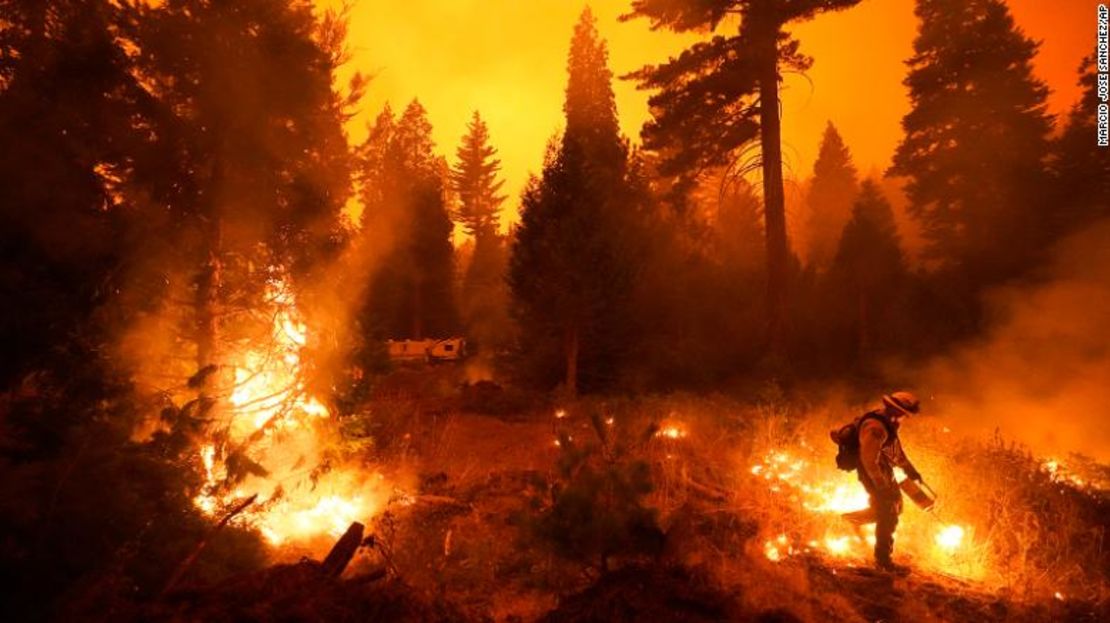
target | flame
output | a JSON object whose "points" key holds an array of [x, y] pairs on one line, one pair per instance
{"points": [[949, 538], [671, 429], [273, 421], [1060, 473], [826, 498]]}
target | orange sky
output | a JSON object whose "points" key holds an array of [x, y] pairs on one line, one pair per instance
{"points": [[506, 58]]}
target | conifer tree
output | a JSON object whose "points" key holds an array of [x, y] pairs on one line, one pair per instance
{"points": [[474, 179], [975, 139], [571, 267], [404, 206], [739, 228], [1082, 167], [71, 121], [722, 94], [829, 200], [869, 265]]}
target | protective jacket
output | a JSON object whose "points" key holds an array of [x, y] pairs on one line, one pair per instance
{"points": [[880, 451]]}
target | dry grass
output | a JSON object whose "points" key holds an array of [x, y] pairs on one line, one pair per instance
{"points": [[1029, 534]]}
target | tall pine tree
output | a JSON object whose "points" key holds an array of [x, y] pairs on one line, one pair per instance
{"points": [[869, 268], [405, 208], [720, 95], [71, 119], [571, 271], [829, 201], [251, 166], [976, 140], [474, 178], [1082, 167]]}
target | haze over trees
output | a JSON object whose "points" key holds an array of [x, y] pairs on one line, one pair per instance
{"points": [[829, 198], [405, 209], [249, 166], [1081, 166], [718, 96], [484, 297], [870, 269], [176, 177], [976, 141], [60, 136], [573, 232], [158, 162]]}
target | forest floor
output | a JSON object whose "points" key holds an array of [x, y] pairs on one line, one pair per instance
{"points": [[457, 548]]}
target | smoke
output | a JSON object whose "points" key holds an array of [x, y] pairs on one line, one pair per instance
{"points": [[1041, 374]]}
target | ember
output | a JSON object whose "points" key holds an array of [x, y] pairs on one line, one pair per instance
{"points": [[825, 498]]}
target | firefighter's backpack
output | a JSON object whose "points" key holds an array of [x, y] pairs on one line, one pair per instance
{"points": [[846, 439]]}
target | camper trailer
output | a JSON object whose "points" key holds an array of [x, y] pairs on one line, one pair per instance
{"points": [[427, 351]]}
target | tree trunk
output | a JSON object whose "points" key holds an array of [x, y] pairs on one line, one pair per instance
{"points": [[206, 308], [418, 309], [571, 348], [774, 209], [864, 329], [209, 283]]}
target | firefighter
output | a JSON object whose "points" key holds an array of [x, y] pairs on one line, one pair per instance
{"points": [[880, 451]]}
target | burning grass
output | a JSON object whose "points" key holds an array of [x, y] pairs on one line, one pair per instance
{"points": [[754, 494], [750, 503], [1005, 522]]}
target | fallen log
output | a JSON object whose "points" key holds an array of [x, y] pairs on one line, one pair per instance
{"points": [[343, 551]]}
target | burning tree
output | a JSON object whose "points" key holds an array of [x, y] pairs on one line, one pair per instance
{"points": [[245, 180]]}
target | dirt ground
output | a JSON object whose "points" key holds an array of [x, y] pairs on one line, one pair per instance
{"points": [[454, 546]]}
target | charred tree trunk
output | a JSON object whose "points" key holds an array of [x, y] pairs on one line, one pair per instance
{"points": [[774, 209], [206, 309], [571, 349], [209, 284]]}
